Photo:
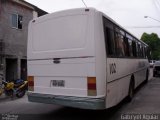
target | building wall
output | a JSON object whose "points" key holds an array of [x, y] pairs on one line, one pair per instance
{"points": [[15, 39]]}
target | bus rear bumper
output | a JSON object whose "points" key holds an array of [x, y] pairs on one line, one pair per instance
{"points": [[76, 102]]}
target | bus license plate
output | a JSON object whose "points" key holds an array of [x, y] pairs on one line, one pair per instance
{"points": [[58, 83]]}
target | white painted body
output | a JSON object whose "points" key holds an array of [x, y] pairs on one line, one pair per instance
{"points": [[118, 83], [77, 37]]}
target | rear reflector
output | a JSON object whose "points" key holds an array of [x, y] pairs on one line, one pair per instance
{"points": [[91, 86], [31, 83], [92, 91]]}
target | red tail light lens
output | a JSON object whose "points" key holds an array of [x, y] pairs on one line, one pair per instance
{"points": [[92, 90], [31, 83]]}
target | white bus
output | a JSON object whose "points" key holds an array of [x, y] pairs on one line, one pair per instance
{"points": [[81, 58]]}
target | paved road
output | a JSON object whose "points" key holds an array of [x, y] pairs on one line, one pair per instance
{"points": [[146, 101]]}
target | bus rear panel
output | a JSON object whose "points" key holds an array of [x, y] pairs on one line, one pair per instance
{"points": [[62, 60]]}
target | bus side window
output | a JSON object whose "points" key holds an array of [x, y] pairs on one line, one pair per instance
{"points": [[120, 44], [134, 48], [126, 47], [142, 51], [145, 51], [109, 38], [139, 50], [131, 44], [130, 48], [148, 52], [110, 42]]}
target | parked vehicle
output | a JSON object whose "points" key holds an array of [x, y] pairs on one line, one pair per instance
{"points": [[81, 58], [18, 88], [151, 63], [156, 68]]}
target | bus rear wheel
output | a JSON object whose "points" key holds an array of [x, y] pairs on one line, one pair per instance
{"points": [[147, 75], [154, 75], [130, 91]]}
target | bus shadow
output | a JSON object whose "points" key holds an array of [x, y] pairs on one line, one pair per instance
{"points": [[113, 113], [80, 114], [141, 86]]}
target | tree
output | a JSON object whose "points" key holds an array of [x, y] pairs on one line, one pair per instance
{"points": [[154, 42]]}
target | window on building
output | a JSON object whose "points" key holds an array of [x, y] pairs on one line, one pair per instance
{"points": [[17, 21]]}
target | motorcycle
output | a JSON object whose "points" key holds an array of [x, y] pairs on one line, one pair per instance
{"points": [[17, 87]]}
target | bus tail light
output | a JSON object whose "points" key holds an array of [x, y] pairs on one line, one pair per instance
{"points": [[92, 90], [31, 83]]}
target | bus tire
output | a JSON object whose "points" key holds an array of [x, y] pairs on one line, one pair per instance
{"points": [[131, 90], [154, 75], [147, 75]]}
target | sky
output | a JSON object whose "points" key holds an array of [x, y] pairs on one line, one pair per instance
{"points": [[128, 13]]}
